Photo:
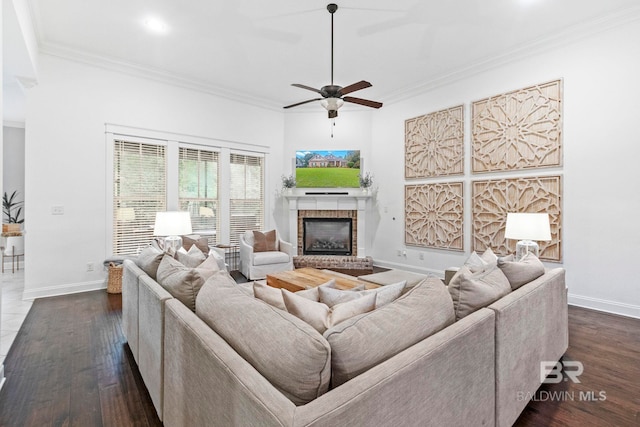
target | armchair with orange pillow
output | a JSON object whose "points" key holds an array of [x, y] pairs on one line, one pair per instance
{"points": [[263, 253]]}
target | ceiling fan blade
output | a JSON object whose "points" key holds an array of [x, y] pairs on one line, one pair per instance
{"points": [[354, 87], [365, 102], [303, 102], [306, 87]]}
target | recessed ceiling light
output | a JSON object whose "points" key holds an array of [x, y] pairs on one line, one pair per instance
{"points": [[155, 25]]}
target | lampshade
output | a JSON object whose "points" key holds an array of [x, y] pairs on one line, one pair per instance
{"points": [[528, 226], [172, 223]]}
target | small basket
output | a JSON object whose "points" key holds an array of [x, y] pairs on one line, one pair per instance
{"points": [[114, 283]]}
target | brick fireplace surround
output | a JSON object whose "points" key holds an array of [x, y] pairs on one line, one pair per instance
{"points": [[352, 205]]}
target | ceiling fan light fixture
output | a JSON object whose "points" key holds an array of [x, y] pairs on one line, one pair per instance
{"points": [[332, 104]]}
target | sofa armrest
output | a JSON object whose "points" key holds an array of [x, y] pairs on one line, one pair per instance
{"points": [[531, 327], [151, 338], [246, 251], [207, 382], [130, 311], [446, 379]]}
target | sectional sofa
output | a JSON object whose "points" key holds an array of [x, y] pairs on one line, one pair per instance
{"points": [[471, 372]]}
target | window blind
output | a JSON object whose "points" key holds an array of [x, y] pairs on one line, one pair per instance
{"points": [[198, 190], [139, 192], [246, 195]]}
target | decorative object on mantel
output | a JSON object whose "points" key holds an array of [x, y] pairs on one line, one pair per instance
{"points": [[288, 183], [333, 95], [434, 144], [494, 199], [366, 181], [434, 215], [171, 225], [518, 130], [527, 228]]}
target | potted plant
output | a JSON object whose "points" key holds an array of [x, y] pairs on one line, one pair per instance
{"points": [[366, 181], [288, 182], [11, 209]]}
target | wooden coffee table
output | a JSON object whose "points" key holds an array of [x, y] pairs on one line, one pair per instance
{"points": [[304, 278]]}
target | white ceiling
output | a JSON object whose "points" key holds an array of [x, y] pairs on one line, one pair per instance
{"points": [[253, 50]]}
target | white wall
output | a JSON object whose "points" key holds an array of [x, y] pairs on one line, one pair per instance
{"points": [[600, 234], [13, 162], [65, 158]]}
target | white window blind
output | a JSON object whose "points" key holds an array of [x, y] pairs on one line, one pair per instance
{"points": [[247, 195], [198, 190], [139, 192]]}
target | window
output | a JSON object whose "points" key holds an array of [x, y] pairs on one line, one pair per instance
{"points": [[198, 190], [246, 195], [139, 191]]}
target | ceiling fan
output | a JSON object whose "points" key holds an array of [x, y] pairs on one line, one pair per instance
{"points": [[333, 96]]}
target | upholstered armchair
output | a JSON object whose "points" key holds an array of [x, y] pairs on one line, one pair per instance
{"points": [[264, 253]]}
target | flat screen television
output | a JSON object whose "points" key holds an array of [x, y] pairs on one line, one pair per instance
{"points": [[328, 169]]}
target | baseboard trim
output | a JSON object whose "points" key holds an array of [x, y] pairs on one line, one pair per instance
{"points": [[606, 306], [57, 290]]}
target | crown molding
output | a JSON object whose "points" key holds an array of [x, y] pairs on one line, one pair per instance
{"points": [[566, 37], [150, 73]]}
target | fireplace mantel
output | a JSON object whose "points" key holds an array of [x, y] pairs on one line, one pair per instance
{"points": [[354, 200]]}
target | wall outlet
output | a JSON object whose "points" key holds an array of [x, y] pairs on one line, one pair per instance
{"points": [[399, 252], [421, 256], [90, 266], [57, 210], [404, 253]]}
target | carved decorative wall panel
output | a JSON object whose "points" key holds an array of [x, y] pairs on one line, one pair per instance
{"points": [[434, 215], [493, 199], [434, 144], [518, 130]]}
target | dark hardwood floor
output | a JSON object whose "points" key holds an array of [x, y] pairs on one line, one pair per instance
{"points": [[70, 366]]}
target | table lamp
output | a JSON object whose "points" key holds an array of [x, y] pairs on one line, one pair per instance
{"points": [[172, 225], [527, 227]]}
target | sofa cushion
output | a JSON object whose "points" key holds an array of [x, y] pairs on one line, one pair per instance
{"points": [[149, 261], [289, 353], [364, 341], [322, 317], [264, 242], [272, 257], [269, 294], [472, 291], [313, 294], [477, 262], [191, 258], [184, 283], [521, 272]]}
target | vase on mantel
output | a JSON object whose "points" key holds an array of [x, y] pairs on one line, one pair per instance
{"points": [[365, 190]]}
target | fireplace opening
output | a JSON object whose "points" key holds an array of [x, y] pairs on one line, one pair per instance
{"points": [[327, 236]]}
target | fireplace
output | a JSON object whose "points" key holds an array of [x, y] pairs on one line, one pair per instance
{"points": [[327, 236]]}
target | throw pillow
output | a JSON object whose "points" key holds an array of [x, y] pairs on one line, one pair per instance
{"points": [[264, 242], [201, 243], [149, 261], [289, 353], [184, 283], [367, 340], [191, 258], [388, 293], [489, 257], [333, 296], [313, 294], [471, 291], [269, 294], [322, 317], [521, 272]]}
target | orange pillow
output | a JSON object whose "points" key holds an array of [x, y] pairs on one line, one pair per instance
{"points": [[264, 242]]}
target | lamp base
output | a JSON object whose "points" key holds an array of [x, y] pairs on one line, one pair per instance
{"points": [[524, 247], [172, 243]]}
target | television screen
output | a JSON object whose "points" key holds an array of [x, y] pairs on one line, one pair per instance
{"points": [[328, 169]]}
